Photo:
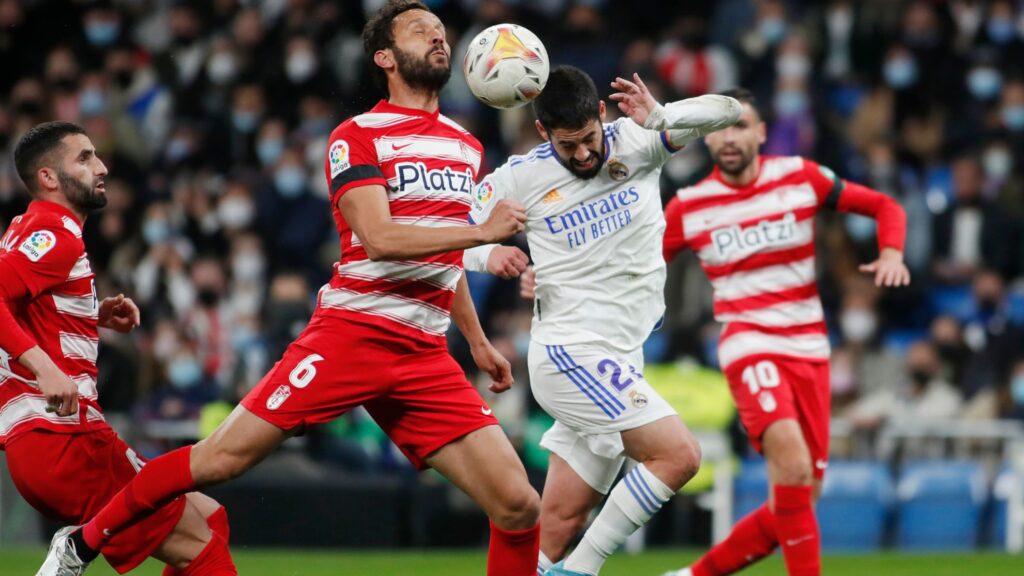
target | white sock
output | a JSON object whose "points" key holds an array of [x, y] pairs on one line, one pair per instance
{"points": [[631, 504], [543, 563]]}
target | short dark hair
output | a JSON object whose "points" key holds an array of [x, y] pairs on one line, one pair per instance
{"points": [[379, 34], [35, 148], [744, 96], [569, 99]]}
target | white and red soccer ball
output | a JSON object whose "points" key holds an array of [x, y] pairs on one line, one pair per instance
{"points": [[506, 66]]}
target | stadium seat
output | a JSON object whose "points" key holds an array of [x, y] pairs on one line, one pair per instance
{"points": [[854, 504], [940, 505], [750, 487], [955, 301], [899, 340]]}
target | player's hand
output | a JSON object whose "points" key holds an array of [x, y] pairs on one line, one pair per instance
{"points": [[889, 269], [491, 361], [119, 313], [507, 262], [634, 99], [528, 284], [507, 219], [60, 391]]}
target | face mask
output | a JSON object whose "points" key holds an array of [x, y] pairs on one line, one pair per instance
{"points": [[221, 69], [300, 67], [156, 231], [208, 297], [997, 163], [184, 373], [242, 336], [789, 103], [1017, 389], [244, 122], [92, 102], [269, 150], [857, 325], [178, 149], [920, 377], [984, 83], [1013, 117], [102, 33], [1000, 30], [860, 228], [772, 30], [235, 213], [900, 72], [793, 66], [124, 78], [247, 266], [290, 181]]}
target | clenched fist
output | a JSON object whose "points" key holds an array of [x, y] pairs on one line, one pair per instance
{"points": [[507, 219]]}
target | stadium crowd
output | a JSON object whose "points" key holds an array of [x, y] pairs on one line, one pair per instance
{"points": [[213, 118]]}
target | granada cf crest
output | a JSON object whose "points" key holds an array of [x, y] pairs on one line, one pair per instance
{"points": [[617, 170]]}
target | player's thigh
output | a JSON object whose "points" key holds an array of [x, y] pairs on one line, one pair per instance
{"points": [[665, 439], [484, 465], [190, 535], [239, 443], [763, 395]]}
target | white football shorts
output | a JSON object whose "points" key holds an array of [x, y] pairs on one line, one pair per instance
{"points": [[593, 394]]}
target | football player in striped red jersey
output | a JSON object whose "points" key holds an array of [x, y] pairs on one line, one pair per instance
{"points": [[751, 225], [64, 458], [400, 177]]}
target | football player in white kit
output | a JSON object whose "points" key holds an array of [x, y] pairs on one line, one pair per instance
{"points": [[595, 226]]}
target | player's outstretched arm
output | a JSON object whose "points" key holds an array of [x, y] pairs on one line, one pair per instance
{"points": [[366, 210], [487, 358], [502, 261], [695, 117]]}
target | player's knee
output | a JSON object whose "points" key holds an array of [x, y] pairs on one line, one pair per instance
{"points": [[678, 464], [518, 510], [219, 467], [795, 470]]}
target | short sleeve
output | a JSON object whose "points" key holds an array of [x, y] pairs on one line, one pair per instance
{"points": [[351, 161], [827, 186], [494, 187], [44, 258]]}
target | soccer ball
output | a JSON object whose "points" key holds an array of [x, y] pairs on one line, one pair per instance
{"points": [[506, 66]]}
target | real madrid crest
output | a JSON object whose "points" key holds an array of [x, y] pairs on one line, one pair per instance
{"points": [[617, 170]]}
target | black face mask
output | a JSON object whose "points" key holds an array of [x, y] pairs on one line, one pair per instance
{"points": [[208, 297], [124, 78], [281, 316], [65, 84], [920, 377], [29, 107]]}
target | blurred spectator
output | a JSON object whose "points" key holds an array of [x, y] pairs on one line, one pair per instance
{"points": [[922, 396], [689, 64]]}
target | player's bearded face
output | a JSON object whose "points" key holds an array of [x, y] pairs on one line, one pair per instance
{"points": [[734, 148], [428, 72], [85, 193], [580, 151]]}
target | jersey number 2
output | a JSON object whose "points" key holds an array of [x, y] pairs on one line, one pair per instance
{"points": [[604, 365]]}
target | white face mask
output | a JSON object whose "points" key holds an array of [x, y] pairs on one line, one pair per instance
{"points": [[221, 68], [300, 66], [997, 162], [858, 326], [235, 213], [793, 66]]}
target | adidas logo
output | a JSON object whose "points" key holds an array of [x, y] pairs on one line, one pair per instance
{"points": [[552, 197]]}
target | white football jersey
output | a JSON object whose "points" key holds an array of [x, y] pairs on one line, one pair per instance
{"points": [[595, 244]]}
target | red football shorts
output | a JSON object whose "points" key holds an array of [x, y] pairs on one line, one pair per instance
{"points": [[416, 392], [69, 477], [769, 389]]}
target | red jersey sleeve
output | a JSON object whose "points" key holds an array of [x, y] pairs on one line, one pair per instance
{"points": [[41, 259], [674, 241], [845, 196], [351, 161]]}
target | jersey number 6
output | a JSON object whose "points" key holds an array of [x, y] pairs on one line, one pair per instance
{"points": [[304, 371]]}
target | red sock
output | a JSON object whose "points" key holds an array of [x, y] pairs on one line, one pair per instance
{"points": [[158, 482], [797, 530], [214, 560], [751, 539], [513, 552]]}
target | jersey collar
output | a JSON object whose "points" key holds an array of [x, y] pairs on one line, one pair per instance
{"points": [[47, 207], [385, 106]]}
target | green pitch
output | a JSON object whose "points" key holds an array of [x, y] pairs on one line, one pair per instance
{"points": [[16, 562]]}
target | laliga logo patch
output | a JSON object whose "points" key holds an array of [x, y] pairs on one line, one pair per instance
{"points": [[484, 192], [338, 157], [617, 170], [38, 244], [639, 400], [278, 397]]}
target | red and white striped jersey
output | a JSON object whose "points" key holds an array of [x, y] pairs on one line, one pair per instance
{"points": [[48, 288], [756, 245], [428, 164]]}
